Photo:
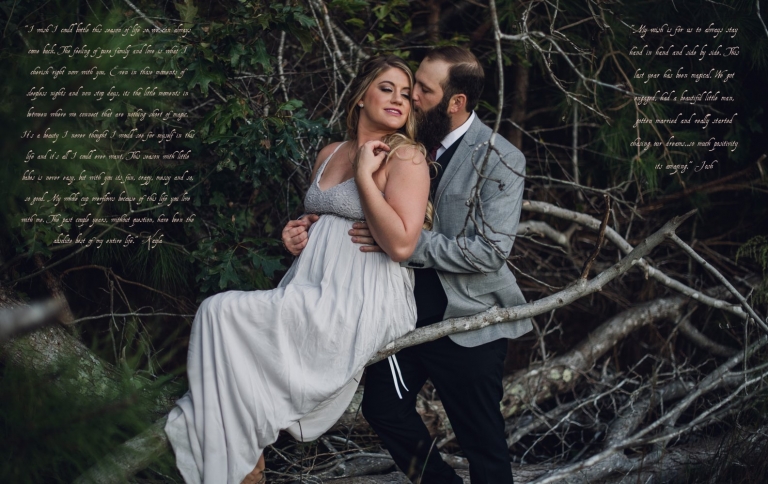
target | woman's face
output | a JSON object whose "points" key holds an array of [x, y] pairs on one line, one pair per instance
{"points": [[387, 102]]}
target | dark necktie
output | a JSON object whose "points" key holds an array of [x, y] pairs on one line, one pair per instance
{"points": [[433, 153]]}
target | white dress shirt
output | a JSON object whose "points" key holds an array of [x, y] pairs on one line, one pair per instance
{"points": [[454, 135]]}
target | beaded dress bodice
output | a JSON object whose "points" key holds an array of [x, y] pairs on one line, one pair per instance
{"points": [[341, 199]]}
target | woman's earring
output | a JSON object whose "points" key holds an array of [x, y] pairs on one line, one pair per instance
{"points": [[360, 104]]}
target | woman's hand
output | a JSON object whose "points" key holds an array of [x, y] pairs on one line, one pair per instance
{"points": [[369, 158], [296, 233]]}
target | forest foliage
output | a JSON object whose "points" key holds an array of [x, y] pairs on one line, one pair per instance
{"points": [[266, 84]]}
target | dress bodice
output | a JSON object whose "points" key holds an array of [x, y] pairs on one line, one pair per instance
{"points": [[341, 199]]}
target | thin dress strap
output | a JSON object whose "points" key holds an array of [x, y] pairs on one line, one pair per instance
{"points": [[322, 167]]}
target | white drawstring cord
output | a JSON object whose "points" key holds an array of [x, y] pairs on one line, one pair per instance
{"points": [[392, 366]]}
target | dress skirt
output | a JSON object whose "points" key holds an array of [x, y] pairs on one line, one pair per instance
{"points": [[288, 358]]}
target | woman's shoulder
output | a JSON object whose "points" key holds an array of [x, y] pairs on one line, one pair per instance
{"points": [[323, 155], [327, 150], [411, 152]]}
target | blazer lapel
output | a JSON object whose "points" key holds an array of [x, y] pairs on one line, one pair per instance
{"points": [[460, 158]]}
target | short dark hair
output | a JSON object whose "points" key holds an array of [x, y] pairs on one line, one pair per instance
{"points": [[465, 76]]}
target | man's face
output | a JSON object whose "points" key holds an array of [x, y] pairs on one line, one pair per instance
{"points": [[428, 90], [429, 104]]}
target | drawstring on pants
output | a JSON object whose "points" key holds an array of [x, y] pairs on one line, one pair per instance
{"points": [[392, 366]]}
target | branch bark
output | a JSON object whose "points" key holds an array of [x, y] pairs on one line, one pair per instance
{"points": [[612, 459], [131, 457], [626, 247], [495, 315], [44, 350], [18, 321], [692, 253], [698, 338], [534, 385], [535, 226]]}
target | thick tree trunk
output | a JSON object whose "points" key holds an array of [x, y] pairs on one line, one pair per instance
{"points": [[44, 350], [132, 456], [434, 8], [534, 385], [519, 98]]}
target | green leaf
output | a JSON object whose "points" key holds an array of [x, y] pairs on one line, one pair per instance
{"points": [[304, 20], [355, 22], [218, 200], [291, 105], [228, 272], [260, 56], [187, 11], [235, 52], [267, 265], [382, 11], [204, 74], [304, 37]]}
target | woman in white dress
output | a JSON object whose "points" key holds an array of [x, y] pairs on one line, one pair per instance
{"points": [[291, 358]]}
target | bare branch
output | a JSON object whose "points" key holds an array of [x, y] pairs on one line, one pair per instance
{"points": [[142, 15], [600, 238], [761, 17], [131, 457], [626, 247], [688, 250], [495, 315], [18, 321], [126, 315], [697, 337], [539, 383], [543, 228], [712, 381]]}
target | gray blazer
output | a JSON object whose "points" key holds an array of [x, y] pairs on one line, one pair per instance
{"points": [[472, 265]]}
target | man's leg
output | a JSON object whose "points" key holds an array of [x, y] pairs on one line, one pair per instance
{"points": [[398, 424], [468, 381]]}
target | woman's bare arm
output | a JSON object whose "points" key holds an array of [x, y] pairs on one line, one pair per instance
{"points": [[394, 220]]}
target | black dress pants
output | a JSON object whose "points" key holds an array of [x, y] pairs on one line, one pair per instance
{"points": [[468, 381]]}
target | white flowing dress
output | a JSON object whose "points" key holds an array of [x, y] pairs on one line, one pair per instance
{"points": [[288, 358]]}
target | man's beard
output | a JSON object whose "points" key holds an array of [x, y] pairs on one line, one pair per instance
{"points": [[433, 125]]}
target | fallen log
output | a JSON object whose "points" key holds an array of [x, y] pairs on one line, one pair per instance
{"points": [[132, 456], [532, 386], [45, 350]]}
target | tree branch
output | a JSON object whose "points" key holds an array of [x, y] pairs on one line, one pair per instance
{"points": [[600, 238], [626, 247], [495, 315], [688, 250]]}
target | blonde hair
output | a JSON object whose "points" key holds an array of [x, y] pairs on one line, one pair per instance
{"points": [[403, 137], [369, 71]]}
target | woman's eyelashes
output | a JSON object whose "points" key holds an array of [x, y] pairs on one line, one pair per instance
{"points": [[406, 95]]}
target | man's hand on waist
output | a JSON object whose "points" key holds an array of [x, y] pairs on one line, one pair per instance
{"points": [[362, 235]]}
